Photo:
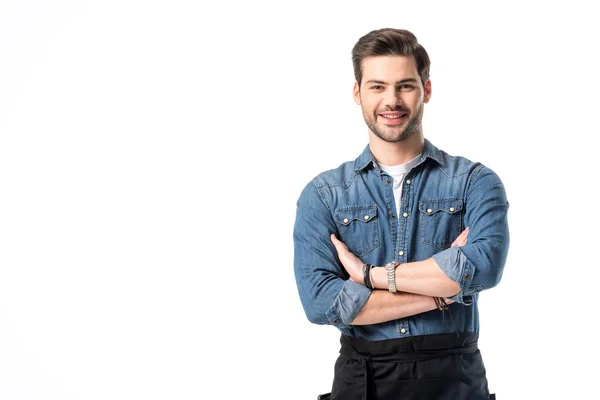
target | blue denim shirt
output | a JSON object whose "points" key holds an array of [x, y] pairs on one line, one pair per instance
{"points": [[441, 195]]}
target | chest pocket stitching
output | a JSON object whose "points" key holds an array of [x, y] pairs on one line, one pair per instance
{"points": [[440, 221], [359, 233]]}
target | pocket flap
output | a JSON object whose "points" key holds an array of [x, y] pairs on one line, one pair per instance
{"points": [[449, 206], [356, 213]]}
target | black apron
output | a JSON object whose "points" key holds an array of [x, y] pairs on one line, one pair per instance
{"points": [[428, 367]]}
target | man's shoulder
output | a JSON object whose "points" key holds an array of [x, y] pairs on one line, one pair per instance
{"points": [[341, 176], [323, 182], [338, 176], [466, 170], [454, 165]]}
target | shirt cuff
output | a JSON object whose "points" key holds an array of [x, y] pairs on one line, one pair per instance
{"points": [[457, 267], [348, 303]]}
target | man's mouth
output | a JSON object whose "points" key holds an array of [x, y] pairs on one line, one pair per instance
{"points": [[393, 117]]}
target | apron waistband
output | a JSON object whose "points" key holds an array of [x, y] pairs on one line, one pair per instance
{"points": [[410, 349], [411, 345]]}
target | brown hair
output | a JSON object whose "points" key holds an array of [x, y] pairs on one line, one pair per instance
{"points": [[389, 41]]}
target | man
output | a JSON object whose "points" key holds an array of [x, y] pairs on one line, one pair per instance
{"points": [[394, 247]]}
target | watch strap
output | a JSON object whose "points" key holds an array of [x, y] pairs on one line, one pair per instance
{"points": [[391, 275]]}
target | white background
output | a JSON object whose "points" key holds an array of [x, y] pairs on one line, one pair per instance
{"points": [[151, 154]]}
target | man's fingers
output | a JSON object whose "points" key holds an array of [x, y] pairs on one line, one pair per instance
{"points": [[337, 243], [461, 239], [463, 235]]}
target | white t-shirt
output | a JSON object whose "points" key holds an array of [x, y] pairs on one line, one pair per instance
{"points": [[398, 172]]}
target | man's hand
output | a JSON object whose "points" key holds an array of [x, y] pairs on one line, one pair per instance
{"points": [[351, 263], [461, 240]]}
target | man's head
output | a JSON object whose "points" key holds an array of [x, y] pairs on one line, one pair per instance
{"points": [[392, 82], [390, 42]]}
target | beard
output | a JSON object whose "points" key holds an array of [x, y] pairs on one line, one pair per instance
{"points": [[396, 133]]}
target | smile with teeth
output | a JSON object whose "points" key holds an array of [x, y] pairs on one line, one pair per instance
{"points": [[392, 116]]}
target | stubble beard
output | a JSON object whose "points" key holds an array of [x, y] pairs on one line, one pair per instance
{"points": [[411, 126]]}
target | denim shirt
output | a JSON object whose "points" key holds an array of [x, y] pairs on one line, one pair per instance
{"points": [[441, 196]]}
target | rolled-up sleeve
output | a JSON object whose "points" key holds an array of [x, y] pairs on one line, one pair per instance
{"points": [[327, 296], [479, 264]]}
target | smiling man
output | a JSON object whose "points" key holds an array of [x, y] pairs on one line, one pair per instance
{"points": [[394, 247]]}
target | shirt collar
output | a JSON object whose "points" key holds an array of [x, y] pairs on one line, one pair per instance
{"points": [[429, 151]]}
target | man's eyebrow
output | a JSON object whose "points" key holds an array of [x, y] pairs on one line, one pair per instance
{"points": [[413, 80]]}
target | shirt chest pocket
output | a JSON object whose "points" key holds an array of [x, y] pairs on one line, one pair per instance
{"points": [[358, 228], [440, 221]]}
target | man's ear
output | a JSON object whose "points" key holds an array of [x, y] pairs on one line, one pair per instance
{"points": [[427, 87], [356, 93]]}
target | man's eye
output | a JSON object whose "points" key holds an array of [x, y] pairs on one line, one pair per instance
{"points": [[407, 87], [377, 87]]}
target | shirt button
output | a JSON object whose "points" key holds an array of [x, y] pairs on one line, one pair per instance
{"points": [[451, 209], [393, 215], [405, 215], [345, 220], [467, 276], [401, 253], [403, 331], [335, 321], [388, 181], [408, 181], [366, 217], [429, 210]]}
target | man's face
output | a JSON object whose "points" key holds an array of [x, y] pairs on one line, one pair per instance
{"points": [[391, 96]]}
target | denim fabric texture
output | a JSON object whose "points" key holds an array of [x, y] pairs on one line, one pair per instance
{"points": [[441, 196]]}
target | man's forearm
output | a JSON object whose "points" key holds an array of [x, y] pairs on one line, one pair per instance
{"points": [[383, 306], [419, 277]]}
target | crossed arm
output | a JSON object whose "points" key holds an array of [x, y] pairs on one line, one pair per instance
{"points": [[417, 283], [458, 272]]}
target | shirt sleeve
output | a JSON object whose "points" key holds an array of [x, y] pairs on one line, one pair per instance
{"points": [[479, 264], [327, 296]]}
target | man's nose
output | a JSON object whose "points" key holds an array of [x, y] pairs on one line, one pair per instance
{"points": [[392, 97]]}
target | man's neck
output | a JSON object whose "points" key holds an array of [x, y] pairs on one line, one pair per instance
{"points": [[396, 153]]}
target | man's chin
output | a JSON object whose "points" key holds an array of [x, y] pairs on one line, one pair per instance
{"points": [[393, 133], [394, 136]]}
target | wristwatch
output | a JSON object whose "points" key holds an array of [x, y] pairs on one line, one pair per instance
{"points": [[391, 275]]}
